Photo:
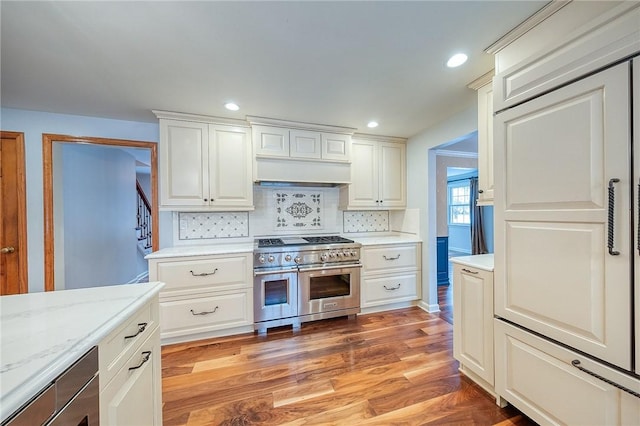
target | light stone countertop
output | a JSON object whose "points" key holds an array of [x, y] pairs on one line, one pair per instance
{"points": [[479, 261], [370, 240], [42, 334], [201, 250]]}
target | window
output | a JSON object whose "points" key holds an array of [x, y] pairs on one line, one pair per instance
{"points": [[459, 194]]}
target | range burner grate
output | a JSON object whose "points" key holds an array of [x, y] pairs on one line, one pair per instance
{"points": [[270, 242], [326, 239]]}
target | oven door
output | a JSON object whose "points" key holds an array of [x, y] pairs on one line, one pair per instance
{"points": [[275, 294], [329, 288]]}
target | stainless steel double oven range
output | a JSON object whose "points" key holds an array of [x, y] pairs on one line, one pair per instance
{"points": [[299, 279]]}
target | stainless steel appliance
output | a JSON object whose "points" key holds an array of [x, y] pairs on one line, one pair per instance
{"points": [[299, 279], [72, 399]]}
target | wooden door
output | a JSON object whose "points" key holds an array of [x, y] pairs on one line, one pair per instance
{"points": [[13, 215], [555, 158]]}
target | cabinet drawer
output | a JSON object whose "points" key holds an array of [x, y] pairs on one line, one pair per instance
{"points": [[380, 291], [184, 277], [538, 378], [133, 396], [118, 347], [387, 258], [182, 316]]}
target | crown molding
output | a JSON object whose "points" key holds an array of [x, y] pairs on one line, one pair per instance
{"points": [[481, 81], [379, 138], [199, 118], [526, 25], [265, 121], [460, 154]]}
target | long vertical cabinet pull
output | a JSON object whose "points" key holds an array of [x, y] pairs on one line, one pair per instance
{"points": [[638, 223], [612, 203]]}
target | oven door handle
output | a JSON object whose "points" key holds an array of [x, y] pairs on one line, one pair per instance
{"points": [[277, 271], [324, 268]]}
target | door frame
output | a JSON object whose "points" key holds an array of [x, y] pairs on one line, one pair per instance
{"points": [[47, 163], [18, 137]]}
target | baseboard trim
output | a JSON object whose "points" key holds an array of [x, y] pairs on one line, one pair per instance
{"points": [[428, 308]]}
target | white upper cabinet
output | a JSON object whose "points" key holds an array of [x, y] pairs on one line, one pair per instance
{"points": [[287, 139], [304, 144], [485, 145], [378, 175], [205, 166], [271, 141]]}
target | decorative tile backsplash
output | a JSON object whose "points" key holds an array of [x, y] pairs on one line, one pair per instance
{"points": [[366, 221], [298, 210], [200, 226]]}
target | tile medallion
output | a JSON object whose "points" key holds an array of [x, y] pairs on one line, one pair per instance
{"points": [[298, 210], [200, 226]]}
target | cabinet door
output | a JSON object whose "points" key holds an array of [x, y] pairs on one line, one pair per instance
{"points": [[473, 320], [485, 145], [134, 395], [270, 141], [184, 179], [336, 147], [392, 175], [363, 191], [304, 144], [230, 167], [555, 158]]}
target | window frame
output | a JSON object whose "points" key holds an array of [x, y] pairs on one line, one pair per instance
{"points": [[461, 183]]}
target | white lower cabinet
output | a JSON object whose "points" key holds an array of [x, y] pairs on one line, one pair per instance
{"points": [[130, 371], [473, 324], [390, 276], [537, 377], [204, 296]]}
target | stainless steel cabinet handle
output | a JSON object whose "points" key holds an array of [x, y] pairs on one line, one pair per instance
{"points": [[204, 274], [469, 271], [638, 223], [145, 357], [611, 211], [391, 258], [7, 250], [327, 268], [278, 271], [392, 288], [204, 312], [141, 327], [576, 364]]}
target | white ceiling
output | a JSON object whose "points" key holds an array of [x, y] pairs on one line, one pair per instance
{"points": [[337, 63]]}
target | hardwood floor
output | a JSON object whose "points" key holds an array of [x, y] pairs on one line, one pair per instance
{"points": [[394, 367]]}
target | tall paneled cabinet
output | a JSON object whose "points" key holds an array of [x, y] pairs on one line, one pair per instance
{"points": [[205, 163], [565, 196]]}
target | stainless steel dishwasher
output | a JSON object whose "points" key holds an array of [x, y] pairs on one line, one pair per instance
{"points": [[71, 399]]}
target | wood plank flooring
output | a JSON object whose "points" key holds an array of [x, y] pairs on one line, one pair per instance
{"points": [[394, 367]]}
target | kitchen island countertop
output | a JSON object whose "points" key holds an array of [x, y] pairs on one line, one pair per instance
{"points": [[42, 334], [479, 261]]}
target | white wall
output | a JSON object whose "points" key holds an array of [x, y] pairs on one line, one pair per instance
{"points": [[421, 189], [99, 199], [33, 124]]}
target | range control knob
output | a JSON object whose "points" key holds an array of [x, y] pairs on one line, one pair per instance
{"points": [[297, 259], [287, 258], [353, 253], [339, 254], [271, 258], [332, 255], [261, 259], [323, 257]]}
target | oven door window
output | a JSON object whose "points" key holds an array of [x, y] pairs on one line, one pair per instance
{"points": [[276, 292], [326, 286]]}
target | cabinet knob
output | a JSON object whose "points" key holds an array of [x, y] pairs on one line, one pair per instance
{"points": [[7, 250], [206, 199], [480, 191]]}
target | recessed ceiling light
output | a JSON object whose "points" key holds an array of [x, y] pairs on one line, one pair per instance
{"points": [[231, 106], [372, 124], [457, 60]]}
